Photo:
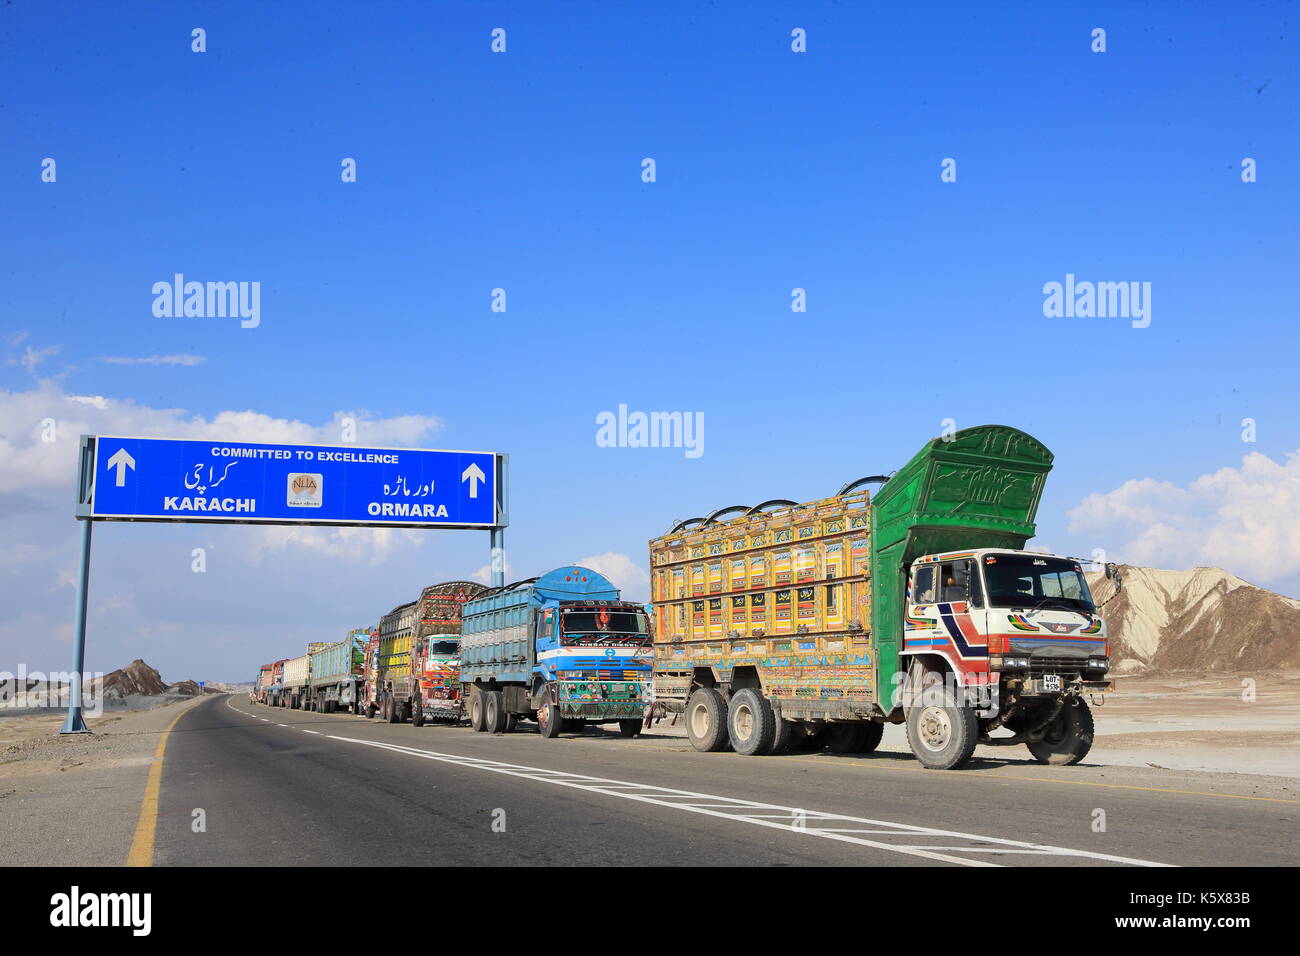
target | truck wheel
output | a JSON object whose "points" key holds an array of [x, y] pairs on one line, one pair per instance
{"points": [[1068, 738], [509, 728], [549, 721], [706, 720], [784, 738], [857, 738], [630, 728], [751, 724], [417, 712], [494, 713], [941, 732], [394, 711], [476, 716]]}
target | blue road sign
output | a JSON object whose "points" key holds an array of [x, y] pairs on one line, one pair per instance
{"points": [[158, 479]]}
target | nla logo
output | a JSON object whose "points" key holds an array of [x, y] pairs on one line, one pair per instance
{"points": [[305, 490]]}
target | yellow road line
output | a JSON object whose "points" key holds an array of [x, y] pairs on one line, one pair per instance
{"points": [[874, 765], [141, 853]]}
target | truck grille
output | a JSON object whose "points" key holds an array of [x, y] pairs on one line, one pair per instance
{"points": [[1056, 665]]}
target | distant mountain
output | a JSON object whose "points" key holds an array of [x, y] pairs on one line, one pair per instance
{"points": [[138, 679], [1204, 619]]}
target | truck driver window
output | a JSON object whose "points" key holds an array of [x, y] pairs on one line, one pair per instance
{"points": [[923, 586], [953, 576]]}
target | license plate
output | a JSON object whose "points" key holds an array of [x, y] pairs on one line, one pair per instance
{"points": [[1051, 682]]}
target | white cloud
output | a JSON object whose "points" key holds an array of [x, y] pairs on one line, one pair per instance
{"points": [[1245, 520], [628, 575], [484, 574], [28, 462], [154, 360], [32, 358]]}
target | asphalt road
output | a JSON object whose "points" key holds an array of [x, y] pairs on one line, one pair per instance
{"points": [[280, 787]]}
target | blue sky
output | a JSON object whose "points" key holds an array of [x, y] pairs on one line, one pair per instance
{"points": [[522, 170]]}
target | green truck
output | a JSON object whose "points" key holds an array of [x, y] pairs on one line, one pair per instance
{"points": [[793, 625]]}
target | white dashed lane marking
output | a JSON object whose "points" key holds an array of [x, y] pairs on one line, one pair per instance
{"points": [[948, 846]]}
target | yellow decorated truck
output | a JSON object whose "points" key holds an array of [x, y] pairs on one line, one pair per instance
{"points": [[786, 625]]}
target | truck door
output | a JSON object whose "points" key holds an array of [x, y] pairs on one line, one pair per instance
{"points": [[547, 635]]}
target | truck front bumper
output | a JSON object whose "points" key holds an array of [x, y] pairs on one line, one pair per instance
{"points": [[602, 699]]}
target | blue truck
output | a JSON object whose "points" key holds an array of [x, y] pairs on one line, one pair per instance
{"points": [[560, 649]]}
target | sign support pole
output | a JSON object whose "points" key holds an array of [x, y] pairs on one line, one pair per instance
{"points": [[498, 557], [75, 724], [498, 533]]}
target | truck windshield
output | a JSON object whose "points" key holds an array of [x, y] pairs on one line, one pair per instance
{"points": [[1023, 580], [597, 625], [444, 648]]}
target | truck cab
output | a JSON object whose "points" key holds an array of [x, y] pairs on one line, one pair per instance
{"points": [[1016, 637], [597, 655], [437, 669], [998, 613]]}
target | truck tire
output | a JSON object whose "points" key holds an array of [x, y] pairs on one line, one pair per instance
{"points": [[942, 732], [630, 728], [857, 738], [751, 724], [511, 720], [476, 716], [393, 711], [784, 738], [494, 712], [417, 712], [1068, 738], [706, 720], [549, 721], [370, 711]]}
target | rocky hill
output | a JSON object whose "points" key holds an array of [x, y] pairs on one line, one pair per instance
{"points": [[136, 679], [1204, 619]]}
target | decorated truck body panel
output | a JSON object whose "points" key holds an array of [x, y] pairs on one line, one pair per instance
{"points": [[297, 671], [561, 648], [264, 680], [273, 692], [783, 589], [944, 624], [336, 672], [390, 685]]}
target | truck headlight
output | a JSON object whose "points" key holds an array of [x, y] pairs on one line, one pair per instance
{"points": [[1098, 664]]}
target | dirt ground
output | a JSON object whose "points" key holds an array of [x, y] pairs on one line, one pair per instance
{"points": [[1194, 722], [74, 801]]}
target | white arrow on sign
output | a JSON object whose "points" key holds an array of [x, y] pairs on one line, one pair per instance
{"points": [[473, 474], [121, 461]]}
